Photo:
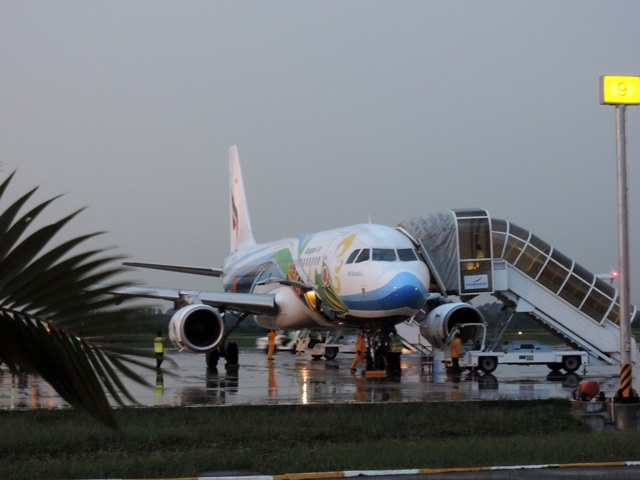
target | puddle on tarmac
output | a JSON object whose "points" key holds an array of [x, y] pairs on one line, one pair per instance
{"points": [[291, 379]]}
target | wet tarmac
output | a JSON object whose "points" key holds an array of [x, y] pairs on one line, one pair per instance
{"points": [[291, 379]]}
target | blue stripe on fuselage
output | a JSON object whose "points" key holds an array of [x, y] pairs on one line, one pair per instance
{"points": [[404, 291]]}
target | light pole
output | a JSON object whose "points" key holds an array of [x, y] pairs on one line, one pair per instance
{"points": [[621, 91]]}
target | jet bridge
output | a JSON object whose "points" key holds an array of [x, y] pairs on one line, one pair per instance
{"points": [[469, 253]]}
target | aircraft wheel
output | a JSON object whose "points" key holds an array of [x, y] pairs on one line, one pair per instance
{"points": [[488, 364], [316, 357], [571, 364], [212, 358], [232, 353], [330, 353]]}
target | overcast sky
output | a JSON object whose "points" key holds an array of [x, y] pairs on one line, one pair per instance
{"points": [[342, 111]]}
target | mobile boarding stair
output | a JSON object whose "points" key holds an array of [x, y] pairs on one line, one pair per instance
{"points": [[469, 253], [413, 340]]}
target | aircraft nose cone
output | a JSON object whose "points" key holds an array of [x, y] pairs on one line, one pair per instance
{"points": [[407, 290]]}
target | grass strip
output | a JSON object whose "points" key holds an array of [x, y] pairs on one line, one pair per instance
{"points": [[182, 442]]}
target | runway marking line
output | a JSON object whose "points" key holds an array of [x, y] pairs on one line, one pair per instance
{"points": [[307, 476], [422, 471]]}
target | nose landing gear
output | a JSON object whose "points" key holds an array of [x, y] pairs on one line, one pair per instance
{"points": [[382, 356]]}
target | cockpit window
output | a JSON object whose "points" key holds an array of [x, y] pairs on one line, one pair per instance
{"points": [[364, 256], [353, 256], [407, 254], [384, 255]]}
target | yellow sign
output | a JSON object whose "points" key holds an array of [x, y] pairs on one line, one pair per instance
{"points": [[618, 90]]}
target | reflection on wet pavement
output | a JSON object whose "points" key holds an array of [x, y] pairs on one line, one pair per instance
{"points": [[290, 379]]}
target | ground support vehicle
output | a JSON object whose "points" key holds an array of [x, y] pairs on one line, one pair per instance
{"points": [[286, 342], [519, 352], [325, 344], [567, 360]]}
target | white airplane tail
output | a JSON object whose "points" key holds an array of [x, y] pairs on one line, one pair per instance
{"points": [[241, 234]]}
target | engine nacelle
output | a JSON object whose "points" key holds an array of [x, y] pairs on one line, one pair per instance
{"points": [[437, 327], [293, 313], [196, 328]]}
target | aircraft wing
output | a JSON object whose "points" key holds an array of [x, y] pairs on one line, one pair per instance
{"points": [[206, 271], [253, 303]]}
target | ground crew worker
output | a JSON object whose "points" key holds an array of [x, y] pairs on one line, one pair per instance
{"points": [[456, 348], [158, 347], [360, 351], [271, 337]]}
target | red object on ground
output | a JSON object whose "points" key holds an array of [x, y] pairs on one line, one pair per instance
{"points": [[587, 389]]}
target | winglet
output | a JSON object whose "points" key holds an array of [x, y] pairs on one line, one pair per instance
{"points": [[241, 234]]}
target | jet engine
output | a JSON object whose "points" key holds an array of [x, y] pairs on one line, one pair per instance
{"points": [[196, 328], [437, 327]]}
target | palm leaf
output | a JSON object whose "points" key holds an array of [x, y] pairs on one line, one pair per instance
{"points": [[12, 230], [39, 273], [49, 310]]}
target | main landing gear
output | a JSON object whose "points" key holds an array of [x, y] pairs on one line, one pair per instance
{"points": [[228, 352]]}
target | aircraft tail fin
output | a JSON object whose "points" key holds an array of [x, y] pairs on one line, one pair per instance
{"points": [[241, 234]]}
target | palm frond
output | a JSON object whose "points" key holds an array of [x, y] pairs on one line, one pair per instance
{"points": [[40, 272], [49, 307]]}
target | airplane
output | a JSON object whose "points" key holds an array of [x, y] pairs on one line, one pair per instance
{"points": [[366, 276]]}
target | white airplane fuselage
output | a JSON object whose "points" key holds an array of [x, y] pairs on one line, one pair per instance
{"points": [[348, 276]]}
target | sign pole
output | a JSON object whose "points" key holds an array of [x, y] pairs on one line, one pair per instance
{"points": [[625, 393], [622, 91]]}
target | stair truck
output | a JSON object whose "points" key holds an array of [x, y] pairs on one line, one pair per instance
{"points": [[510, 353]]}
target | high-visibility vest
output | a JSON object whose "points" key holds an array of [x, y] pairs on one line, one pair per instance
{"points": [[158, 347], [396, 344], [456, 347]]}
